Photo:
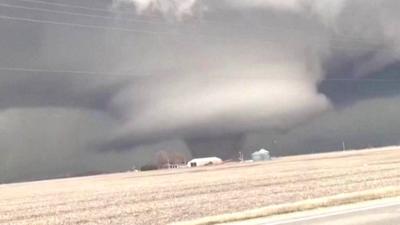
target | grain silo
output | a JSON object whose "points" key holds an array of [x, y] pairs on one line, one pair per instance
{"points": [[261, 155]]}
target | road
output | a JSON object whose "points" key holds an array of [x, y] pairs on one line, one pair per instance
{"points": [[387, 214], [383, 213]]}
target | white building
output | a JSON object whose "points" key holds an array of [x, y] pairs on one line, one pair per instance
{"points": [[204, 161], [261, 155]]}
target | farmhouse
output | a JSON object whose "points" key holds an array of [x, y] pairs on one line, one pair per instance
{"points": [[204, 161]]}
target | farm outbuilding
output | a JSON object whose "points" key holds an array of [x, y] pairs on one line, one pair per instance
{"points": [[204, 161], [261, 155]]}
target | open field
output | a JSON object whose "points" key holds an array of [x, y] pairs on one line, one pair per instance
{"points": [[161, 197]]}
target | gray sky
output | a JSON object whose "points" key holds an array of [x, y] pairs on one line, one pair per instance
{"points": [[102, 85]]}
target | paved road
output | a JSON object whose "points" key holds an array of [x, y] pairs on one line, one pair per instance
{"points": [[381, 214]]}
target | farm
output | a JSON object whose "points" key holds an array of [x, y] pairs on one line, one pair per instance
{"points": [[167, 196]]}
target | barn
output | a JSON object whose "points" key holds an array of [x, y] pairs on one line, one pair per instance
{"points": [[204, 161]]}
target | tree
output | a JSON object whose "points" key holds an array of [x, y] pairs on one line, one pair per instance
{"points": [[176, 158], [148, 167], [162, 159]]}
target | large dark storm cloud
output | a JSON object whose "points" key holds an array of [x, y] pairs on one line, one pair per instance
{"points": [[102, 86]]}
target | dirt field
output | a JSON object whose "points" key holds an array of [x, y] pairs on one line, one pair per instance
{"points": [[160, 197]]}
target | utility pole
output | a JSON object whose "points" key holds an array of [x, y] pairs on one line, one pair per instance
{"points": [[241, 157]]}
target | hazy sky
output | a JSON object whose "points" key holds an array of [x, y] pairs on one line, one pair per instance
{"points": [[101, 85]]}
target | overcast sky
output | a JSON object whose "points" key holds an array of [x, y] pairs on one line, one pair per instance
{"points": [[100, 85]]}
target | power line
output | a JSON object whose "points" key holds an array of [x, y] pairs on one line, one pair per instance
{"points": [[77, 72], [130, 75], [80, 7], [94, 9], [24, 19], [150, 32], [99, 27], [362, 80], [67, 5], [344, 37], [38, 9]]}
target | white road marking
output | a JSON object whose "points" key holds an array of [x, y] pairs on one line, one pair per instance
{"points": [[341, 212]]}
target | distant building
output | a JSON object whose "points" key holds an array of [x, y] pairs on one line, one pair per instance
{"points": [[261, 155], [175, 166], [204, 161]]}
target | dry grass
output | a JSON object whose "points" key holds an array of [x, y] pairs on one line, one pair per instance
{"points": [[304, 205], [161, 197]]}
